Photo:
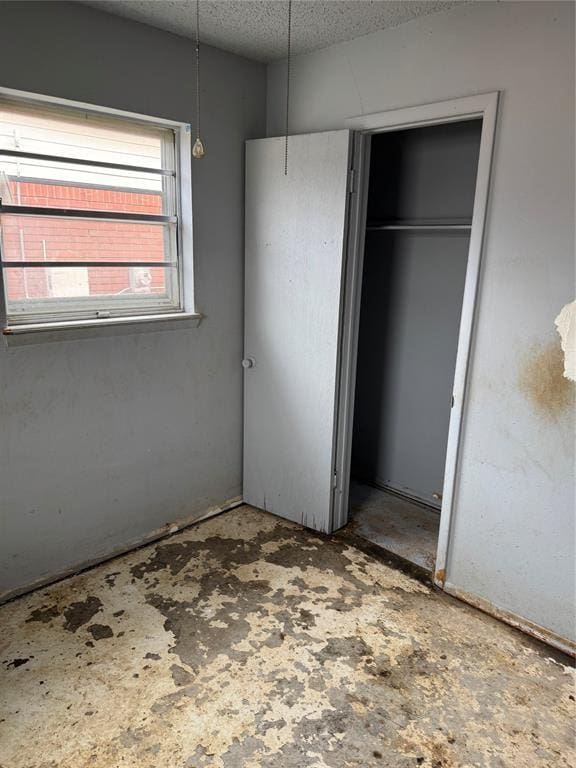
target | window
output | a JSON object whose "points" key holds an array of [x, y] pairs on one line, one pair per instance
{"points": [[90, 213]]}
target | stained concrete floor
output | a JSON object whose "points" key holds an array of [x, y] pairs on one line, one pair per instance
{"points": [[249, 642], [407, 529]]}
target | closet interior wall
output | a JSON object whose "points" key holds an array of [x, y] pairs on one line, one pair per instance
{"points": [[420, 202]]}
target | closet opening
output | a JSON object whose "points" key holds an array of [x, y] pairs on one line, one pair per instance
{"points": [[420, 203]]}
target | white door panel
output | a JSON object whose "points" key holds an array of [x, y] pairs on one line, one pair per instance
{"points": [[295, 245]]}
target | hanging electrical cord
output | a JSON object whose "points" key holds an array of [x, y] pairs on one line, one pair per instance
{"points": [[198, 148], [288, 62]]}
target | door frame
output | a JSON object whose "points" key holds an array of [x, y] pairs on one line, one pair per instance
{"points": [[484, 106]]}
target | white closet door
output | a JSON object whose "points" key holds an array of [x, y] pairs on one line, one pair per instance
{"points": [[295, 245]]}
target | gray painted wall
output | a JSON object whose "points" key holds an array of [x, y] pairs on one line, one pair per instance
{"points": [[104, 440], [512, 541], [412, 291], [411, 301]]}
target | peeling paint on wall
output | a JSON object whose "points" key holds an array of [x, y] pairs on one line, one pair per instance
{"points": [[541, 380], [566, 326]]}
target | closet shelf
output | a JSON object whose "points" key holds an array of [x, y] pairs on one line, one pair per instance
{"points": [[429, 226]]}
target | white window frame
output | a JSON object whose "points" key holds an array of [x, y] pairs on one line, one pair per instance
{"points": [[184, 230]]}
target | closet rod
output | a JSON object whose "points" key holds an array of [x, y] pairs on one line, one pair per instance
{"points": [[440, 227]]}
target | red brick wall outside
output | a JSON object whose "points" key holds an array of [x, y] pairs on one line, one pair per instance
{"points": [[36, 238]]}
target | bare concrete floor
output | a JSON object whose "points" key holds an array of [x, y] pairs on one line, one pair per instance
{"points": [[399, 526], [248, 642]]}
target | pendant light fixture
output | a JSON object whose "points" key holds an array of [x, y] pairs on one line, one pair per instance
{"points": [[288, 57], [198, 148]]}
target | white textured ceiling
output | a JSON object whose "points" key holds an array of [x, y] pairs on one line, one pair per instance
{"points": [[257, 28]]}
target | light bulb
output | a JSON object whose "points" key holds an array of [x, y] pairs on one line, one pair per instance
{"points": [[198, 149]]}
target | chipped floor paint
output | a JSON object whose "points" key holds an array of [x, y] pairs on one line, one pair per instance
{"points": [[249, 642]]}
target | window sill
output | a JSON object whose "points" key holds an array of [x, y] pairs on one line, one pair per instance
{"points": [[109, 326]]}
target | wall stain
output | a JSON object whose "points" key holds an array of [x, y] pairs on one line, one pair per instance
{"points": [[441, 575], [541, 380]]}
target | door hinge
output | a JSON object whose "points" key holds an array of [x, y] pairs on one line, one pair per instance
{"points": [[351, 181], [335, 480]]}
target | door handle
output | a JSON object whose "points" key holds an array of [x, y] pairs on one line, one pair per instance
{"points": [[248, 362]]}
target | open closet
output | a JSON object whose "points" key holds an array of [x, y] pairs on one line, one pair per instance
{"points": [[421, 191], [362, 266]]}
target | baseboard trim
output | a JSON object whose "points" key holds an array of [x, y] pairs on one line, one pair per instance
{"points": [[165, 531], [556, 641], [413, 498]]}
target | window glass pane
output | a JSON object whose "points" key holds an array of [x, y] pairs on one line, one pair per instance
{"points": [[55, 238], [65, 185], [67, 266], [78, 134], [78, 290]]}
